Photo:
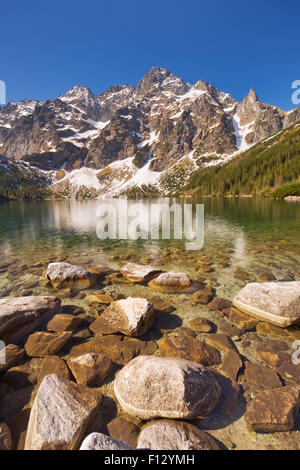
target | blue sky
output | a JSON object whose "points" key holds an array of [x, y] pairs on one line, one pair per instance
{"points": [[48, 47]]}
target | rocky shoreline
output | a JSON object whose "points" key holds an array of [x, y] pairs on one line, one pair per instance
{"points": [[127, 372]]}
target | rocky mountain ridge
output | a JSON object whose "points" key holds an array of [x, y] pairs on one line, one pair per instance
{"points": [[128, 137]]}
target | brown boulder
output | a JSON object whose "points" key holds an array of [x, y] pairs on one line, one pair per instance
{"points": [[131, 316], [120, 349], [64, 322], [274, 410], [90, 369], [186, 347], [42, 344]]}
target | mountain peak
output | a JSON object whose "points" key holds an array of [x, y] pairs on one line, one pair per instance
{"points": [[77, 91], [252, 95], [159, 78]]}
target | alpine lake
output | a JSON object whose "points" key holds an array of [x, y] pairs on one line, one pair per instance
{"points": [[245, 240]]}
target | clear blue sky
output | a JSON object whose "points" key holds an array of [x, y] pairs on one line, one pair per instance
{"points": [[48, 47]]}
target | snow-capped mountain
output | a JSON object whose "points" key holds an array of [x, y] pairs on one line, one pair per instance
{"points": [[126, 137]]}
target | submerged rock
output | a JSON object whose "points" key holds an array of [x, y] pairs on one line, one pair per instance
{"points": [[99, 441], [90, 369], [19, 316], [123, 431], [60, 414], [274, 302], [274, 410], [151, 386], [64, 322], [174, 435], [261, 376], [131, 316], [171, 282], [202, 296], [139, 272], [201, 325], [63, 275]]}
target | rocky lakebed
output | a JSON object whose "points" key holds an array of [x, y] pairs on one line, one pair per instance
{"points": [[131, 355]]}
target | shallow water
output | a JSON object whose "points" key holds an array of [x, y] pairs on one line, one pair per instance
{"points": [[255, 235], [243, 239]]}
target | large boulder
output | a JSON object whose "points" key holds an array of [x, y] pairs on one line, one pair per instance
{"points": [[172, 283], [90, 369], [131, 316], [174, 435], [138, 272], [61, 413], [63, 275], [99, 441], [274, 302], [274, 410], [19, 316], [151, 387]]}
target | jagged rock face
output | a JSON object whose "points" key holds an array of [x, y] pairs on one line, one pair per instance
{"points": [[119, 140], [163, 119], [114, 98], [266, 120]]}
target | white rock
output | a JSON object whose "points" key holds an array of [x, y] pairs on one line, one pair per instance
{"points": [[274, 302], [98, 441], [138, 272], [69, 275]]}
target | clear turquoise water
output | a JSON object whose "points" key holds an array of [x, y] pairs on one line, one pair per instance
{"points": [[255, 235]]}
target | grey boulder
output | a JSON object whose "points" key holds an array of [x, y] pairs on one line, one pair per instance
{"points": [[174, 435], [19, 316], [152, 386], [61, 413]]}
